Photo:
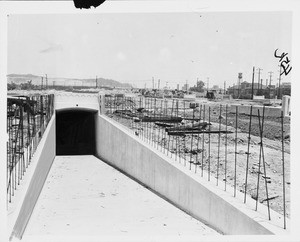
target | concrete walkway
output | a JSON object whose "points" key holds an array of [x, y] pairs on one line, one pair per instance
{"points": [[83, 196]]}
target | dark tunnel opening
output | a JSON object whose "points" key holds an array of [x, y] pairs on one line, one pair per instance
{"points": [[75, 132]]}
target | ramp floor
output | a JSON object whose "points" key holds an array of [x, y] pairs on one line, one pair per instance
{"points": [[83, 196]]}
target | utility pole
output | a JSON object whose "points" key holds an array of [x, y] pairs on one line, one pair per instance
{"points": [[42, 84], [96, 82], [224, 87], [279, 86], [152, 82], [270, 72], [266, 84], [240, 77], [186, 85], [158, 83], [259, 69], [252, 82], [207, 84], [46, 82]]}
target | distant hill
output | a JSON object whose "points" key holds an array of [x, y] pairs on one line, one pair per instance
{"points": [[21, 76], [105, 82], [37, 80]]}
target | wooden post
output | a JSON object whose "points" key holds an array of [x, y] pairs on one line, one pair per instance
{"points": [[252, 82]]}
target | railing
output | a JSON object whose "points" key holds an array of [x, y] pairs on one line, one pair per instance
{"points": [[232, 147], [27, 119]]}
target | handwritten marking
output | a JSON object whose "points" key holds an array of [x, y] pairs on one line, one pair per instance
{"points": [[284, 63]]}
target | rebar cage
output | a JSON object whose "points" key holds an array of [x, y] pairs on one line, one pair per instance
{"points": [[210, 138], [27, 119]]}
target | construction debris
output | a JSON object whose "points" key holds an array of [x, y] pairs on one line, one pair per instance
{"points": [[166, 119], [188, 127], [162, 124], [199, 132], [268, 199]]}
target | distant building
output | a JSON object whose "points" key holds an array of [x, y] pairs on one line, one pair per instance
{"points": [[286, 85], [244, 90], [285, 88], [215, 87], [185, 87]]}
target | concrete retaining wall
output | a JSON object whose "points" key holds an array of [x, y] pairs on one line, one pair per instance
{"points": [[203, 200], [245, 109], [43, 159]]}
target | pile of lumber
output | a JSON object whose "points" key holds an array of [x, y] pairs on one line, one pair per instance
{"points": [[193, 128]]}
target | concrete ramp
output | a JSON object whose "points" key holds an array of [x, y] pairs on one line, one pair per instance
{"points": [[84, 196]]}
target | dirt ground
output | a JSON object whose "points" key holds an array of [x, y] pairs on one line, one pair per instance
{"points": [[207, 152]]}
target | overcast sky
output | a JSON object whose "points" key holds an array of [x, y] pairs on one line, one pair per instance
{"points": [[131, 47]]}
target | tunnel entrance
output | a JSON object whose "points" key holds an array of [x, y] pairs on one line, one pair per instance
{"points": [[75, 132]]}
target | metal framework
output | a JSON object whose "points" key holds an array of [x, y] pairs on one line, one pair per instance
{"points": [[175, 128], [27, 119]]}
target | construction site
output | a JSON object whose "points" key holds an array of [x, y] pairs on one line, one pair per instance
{"points": [[240, 148], [206, 135], [149, 126]]}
